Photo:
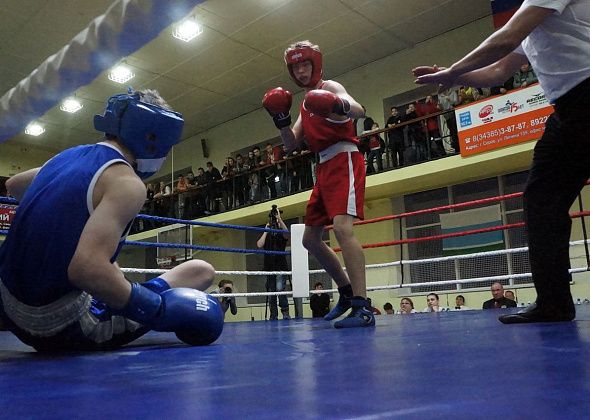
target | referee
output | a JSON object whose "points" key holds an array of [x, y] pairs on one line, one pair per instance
{"points": [[554, 36]]}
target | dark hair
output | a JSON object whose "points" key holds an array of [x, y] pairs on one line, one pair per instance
{"points": [[209, 163], [388, 306], [318, 283], [368, 123], [224, 282], [461, 296], [409, 300], [433, 294]]}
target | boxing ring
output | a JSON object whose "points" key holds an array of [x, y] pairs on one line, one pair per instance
{"points": [[460, 364]]}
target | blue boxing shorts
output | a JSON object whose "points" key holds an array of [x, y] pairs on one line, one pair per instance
{"points": [[75, 322]]}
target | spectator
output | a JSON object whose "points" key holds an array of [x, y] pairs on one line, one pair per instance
{"points": [[181, 184], [150, 192], [180, 202], [388, 308], [190, 178], [364, 141], [509, 294], [270, 172], [163, 190], [504, 88], [227, 186], [395, 137], [214, 197], [448, 99], [406, 306], [376, 146], [498, 300], [240, 180], [524, 77], [202, 184], [460, 303], [319, 303], [432, 302], [428, 107], [375, 310], [416, 137], [254, 181], [275, 241], [226, 286]]}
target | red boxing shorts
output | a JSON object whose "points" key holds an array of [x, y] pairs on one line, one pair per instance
{"points": [[339, 189]]}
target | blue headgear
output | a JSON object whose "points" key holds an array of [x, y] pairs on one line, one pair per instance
{"points": [[147, 130]]}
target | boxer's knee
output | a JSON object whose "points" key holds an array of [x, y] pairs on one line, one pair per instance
{"points": [[202, 272]]}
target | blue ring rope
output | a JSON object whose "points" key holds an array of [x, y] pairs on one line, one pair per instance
{"points": [[10, 200], [197, 247], [205, 248]]}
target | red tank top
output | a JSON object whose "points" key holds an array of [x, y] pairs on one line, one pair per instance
{"points": [[321, 133]]}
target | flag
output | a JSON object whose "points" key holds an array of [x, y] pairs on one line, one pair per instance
{"points": [[466, 220], [502, 11]]}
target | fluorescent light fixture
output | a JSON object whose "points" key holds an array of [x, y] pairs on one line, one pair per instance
{"points": [[121, 74], [71, 105], [187, 30], [34, 129]]}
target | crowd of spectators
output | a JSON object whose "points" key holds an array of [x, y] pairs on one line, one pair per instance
{"points": [[243, 180]]}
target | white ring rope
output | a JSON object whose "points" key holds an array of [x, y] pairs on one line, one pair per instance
{"points": [[382, 265], [368, 266]]}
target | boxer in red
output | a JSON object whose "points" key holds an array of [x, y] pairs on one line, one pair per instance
{"points": [[325, 121]]}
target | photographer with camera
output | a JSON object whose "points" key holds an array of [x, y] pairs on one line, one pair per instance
{"points": [[275, 242], [226, 286]]}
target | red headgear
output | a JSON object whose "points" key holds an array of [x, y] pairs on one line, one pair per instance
{"points": [[301, 54]]}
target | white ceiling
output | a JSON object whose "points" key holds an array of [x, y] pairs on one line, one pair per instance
{"points": [[224, 72]]}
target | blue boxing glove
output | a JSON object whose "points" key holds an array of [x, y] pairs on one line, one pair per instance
{"points": [[195, 317]]}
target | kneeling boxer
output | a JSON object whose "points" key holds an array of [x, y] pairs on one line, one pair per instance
{"points": [[60, 286]]}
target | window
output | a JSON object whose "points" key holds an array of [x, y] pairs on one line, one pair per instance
{"points": [[429, 224]]}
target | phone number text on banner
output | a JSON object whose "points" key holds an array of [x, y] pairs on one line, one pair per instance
{"points": [[504, 120]]}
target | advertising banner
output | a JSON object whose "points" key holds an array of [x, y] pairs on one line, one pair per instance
{"points": [[501, 121], [7, 213]]}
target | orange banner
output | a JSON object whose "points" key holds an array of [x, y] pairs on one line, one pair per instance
{"points": [[501, 121]]}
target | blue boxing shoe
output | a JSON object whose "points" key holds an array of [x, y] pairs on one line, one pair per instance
{"points": [[343, 303], [340, 309], [360, 316]]}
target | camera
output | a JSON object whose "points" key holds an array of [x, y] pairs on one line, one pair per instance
{"points": [[227, 289], [274, 212]]}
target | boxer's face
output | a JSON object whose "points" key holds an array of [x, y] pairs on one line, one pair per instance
{"points": [[302, 71]]}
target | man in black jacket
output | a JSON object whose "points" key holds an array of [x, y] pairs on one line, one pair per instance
{"points": [[319, 302], [498, 300]]}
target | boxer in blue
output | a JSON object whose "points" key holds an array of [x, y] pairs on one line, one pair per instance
{"points": [[60, 286]]}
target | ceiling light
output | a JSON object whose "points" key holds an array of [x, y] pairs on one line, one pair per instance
{"points": [[121, 74], [71, 105], [34, 129], [187, 30]]}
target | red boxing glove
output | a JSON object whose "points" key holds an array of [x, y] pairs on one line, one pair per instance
{"points": [[277, 102], [324, 103]]}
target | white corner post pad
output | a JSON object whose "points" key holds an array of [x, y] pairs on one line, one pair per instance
{"points": [[299, 263]]}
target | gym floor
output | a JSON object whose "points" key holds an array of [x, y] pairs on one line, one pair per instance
{"points": [[446, 365]]}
